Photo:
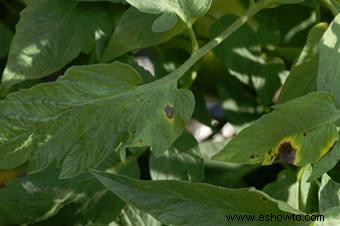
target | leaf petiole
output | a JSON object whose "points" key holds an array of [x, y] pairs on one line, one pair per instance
{"points": [[195, 46]]}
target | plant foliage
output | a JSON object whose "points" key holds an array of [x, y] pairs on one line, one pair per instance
{"points": [[174, 112]]}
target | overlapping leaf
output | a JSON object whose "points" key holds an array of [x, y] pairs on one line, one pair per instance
{"points": [[45, 42], [304, 131], [329, 217], [138, 27], [45, 199], [329, 64], [182, 203], [333, 5], [40, 196], [285, 188], [326, 163], [303, 76], [81, 118], [242, 55], [130, 216], [329, 194], [170, 9], [183, 161], [293, 188]]}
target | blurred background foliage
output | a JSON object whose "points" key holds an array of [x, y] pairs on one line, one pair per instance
{"points": [[233, 85]]}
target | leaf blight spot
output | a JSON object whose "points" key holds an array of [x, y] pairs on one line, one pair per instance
{"points": [[285, 151], [169, 111]]}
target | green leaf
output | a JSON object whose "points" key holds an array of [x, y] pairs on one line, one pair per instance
{"points": [[26, 200], [242, 54], [87, 114], [5, 40], [137, 27], [303, 133], [46, 40], [329, 217], [329, 194], [181, 162], [164, 23], [100, 207], [333, 5], [186, 10], [131, 216], [329, 65], [40, 196], [316, 143], [268, 32], [103, 35], [307, 191], [294, 189], [194, 8], [303, 75], [183, 203], [326, 163], [285, 188], [223, 174]]}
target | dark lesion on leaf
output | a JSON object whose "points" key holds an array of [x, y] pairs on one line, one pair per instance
{"points": [[169, 112], [286, 153], [332, 147]]}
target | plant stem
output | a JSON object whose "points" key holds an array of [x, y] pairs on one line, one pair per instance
{"points": [[331, 6], [195, 46], [197, 55]]}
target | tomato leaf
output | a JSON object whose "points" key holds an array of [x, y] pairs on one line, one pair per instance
{"points": [[138, 27], [303, 76], [186, 10], [183, 161], [329, 65], [45, 42], [81, 118], [183, 203], [303, 133]]}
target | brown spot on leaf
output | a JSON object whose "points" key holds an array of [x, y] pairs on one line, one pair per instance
{"points": [[140, 140], [169, 111], [286, 153]]}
